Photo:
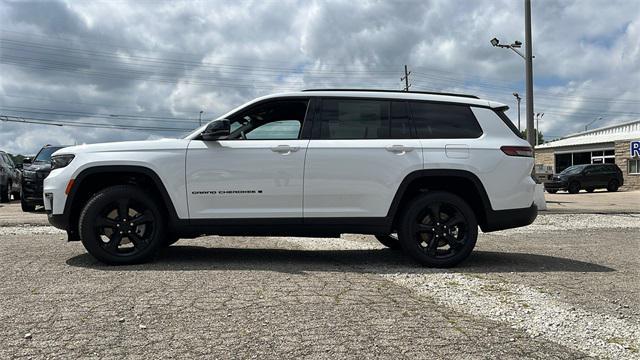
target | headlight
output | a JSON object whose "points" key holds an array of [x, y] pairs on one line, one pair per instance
{"points": [[60, 161]]}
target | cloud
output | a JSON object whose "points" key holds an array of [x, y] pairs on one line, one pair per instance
{"points": [[150, 64]]}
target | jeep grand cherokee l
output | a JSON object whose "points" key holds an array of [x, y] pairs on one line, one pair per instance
{"points": [[33, 174], [588, 177], [428, 167]]}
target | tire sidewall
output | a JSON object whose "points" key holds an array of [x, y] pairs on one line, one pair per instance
{"points": [[93, 208], [409, 245]]}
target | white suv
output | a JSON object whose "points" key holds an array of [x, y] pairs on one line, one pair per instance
{"points": [[428, 168]]}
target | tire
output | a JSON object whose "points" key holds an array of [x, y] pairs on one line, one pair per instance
{"points": [[590, 190], [27, 207], [552, 191], [613, 185], [433, 239], [4, 193], [574, 187], [391, 241], [122, 225]]}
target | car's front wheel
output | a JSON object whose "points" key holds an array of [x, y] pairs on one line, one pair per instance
{"points": [[27, 206], [122, 225], [438, 229], [574, 187], [4, 193]]}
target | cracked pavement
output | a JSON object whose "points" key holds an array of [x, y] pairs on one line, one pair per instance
{"points": [[229, 297]]}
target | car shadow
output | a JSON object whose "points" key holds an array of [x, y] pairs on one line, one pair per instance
{"points": [[190, 258]]}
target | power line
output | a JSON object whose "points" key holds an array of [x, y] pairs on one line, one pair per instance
{"points": [[54, 122]]}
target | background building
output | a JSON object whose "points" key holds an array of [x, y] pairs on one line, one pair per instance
{"points": [[609, 144]]}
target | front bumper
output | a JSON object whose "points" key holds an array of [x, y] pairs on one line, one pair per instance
{"points": [[32, 191], [555, 185], [60, 221]]}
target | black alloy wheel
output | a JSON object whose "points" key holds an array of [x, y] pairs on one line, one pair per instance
{"points": [[122, 225], [439, 229], [574, 187]]}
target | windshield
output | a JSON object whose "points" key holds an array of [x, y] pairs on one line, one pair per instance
{"points": [[573, 170], [45, 154]]}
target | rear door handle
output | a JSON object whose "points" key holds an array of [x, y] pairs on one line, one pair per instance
{"points": [[285, 149], [398, 149]]}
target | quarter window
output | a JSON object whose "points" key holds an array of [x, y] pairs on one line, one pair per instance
{"points": [[354, 119], [444, 121]]}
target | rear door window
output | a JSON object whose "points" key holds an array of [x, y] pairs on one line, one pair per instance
{"points": [[444, 121], [354, 119]]}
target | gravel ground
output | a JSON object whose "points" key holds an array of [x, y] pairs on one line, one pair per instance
{"points": [[565, 287]]}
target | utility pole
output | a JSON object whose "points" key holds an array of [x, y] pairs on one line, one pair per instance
{"points": [[589, 124], [518, 98], [528, 69], [200, 117], [405, 78]]}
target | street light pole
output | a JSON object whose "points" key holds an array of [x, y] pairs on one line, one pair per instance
{"points": [[518, 98], [528, 68], [537, 129]]}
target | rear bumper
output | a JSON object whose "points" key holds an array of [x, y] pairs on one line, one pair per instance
{"points": [[508, 219]]}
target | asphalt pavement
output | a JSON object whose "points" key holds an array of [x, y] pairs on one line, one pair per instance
{"points": [[565, 287]]}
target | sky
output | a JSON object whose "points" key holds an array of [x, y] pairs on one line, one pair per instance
{"points": [[129, 70]]}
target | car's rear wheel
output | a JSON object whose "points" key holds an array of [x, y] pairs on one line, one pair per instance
{"points": [[391, 241], [438, 229], [552, 191], [574, 187], [613, 185], [4, 193], [122, 225]]}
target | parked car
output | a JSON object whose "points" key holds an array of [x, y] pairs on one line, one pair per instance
{"points": [[9, 178], [429, 167], [34, 171], [588, 177]]}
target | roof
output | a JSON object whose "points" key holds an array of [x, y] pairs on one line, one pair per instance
{"points": [[625, 131], [398, 91], [384, 94]]}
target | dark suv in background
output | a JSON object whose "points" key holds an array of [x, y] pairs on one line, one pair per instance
{"points": [[33, 174], [588, 177], [9, 178]]}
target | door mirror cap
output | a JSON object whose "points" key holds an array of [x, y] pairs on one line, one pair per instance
{"points": [[216, 130]]}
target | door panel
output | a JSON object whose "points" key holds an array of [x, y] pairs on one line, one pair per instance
{"points": [[245, 178], [356, 178]]}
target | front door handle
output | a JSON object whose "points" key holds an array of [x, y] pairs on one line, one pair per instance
{"points": [[398, 149], [285, 149]]}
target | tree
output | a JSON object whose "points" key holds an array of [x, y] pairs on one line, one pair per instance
{"points": [[523, 134]]}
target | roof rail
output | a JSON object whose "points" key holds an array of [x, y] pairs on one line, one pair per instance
{"points": [[399, 91]]}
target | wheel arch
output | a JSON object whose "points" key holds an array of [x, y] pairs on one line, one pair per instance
{"points": [[463, 183], [91, 180]]}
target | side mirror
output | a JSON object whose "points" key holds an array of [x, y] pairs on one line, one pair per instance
{"points": [[26, 160], [216, 130]]}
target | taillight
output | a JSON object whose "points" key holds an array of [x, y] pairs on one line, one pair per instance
{"points": [[524, 151]]}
